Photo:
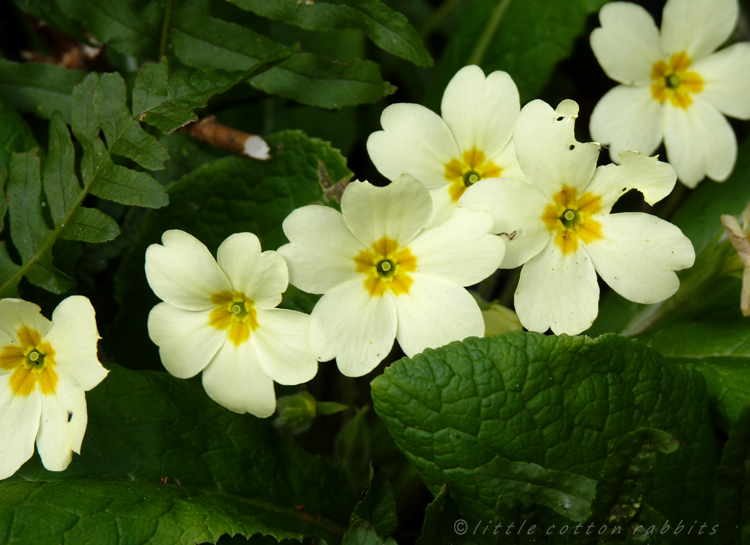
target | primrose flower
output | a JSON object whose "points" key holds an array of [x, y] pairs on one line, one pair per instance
{"points": [[673, 87], [738, 236], [219, 318], [470, 142], [384, 276], [45, 368], [560, 227]]}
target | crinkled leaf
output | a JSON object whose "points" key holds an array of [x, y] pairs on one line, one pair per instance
{"points": [[387, 28], [562, 403], [208, 43], [124, 133], [226, 196], [526, 39], [28, 230], [90, 225], [60, 183], [15, 135], [733, 486], [719, 350], [378, 506], [38, 88]]}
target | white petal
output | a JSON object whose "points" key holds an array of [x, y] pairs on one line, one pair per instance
{"points": [[638, 254], [508, 162], [399, 210], [517, 208], [322, 249], [628, 118], [415, 141], [543, 140], [186, 341], [17, 313], [443, 206], [183, 272], [699, 141], [648, 175], [481, 112], [557, 291], [627, 43], [62, 425], [263, 277], [436, 312], [73, 338], [726, 79], [352, 326], [235, 380], [19, 424], [697, 27], [461, 249], [281, 346]]}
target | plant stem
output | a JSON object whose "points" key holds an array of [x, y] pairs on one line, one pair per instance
{"points": [[438, 17], [489, 31], [165, 28]]}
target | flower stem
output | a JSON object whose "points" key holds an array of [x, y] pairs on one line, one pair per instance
{"points": [[165, 28], [489, 31]]}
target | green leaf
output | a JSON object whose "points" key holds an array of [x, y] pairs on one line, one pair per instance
{"points": [[226, 196], [90, 225], [60, 183], [3, 199], [208, 43], [363, 533], [732, 485], [126, 186], [38, 88], [441, 522], [29, 232], [387, 28], [621, 487], [562, 403], [8, 269], [526, 39], [378, 506], [124, 133], [15, 135], [148, 427], [51, 13], [720, 350]]}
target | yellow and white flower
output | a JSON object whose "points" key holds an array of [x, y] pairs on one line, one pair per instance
{"points": [[739, 236], [673, 86], [45, 368], [471, 141], [560, 227], [384, 276], [219, 318]]}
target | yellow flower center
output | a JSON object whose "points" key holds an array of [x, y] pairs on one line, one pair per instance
{"points": [[33, 363], [472, 167], [386, 267], [673, 82], [236, 312], [570, 218]]}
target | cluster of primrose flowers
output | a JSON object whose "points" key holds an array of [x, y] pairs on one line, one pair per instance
{"points": [[488, 185]]}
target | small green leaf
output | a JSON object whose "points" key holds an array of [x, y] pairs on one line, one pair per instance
{"points": [[38, 88], [325, 408], [387, 28], [60, 183], [732, 485], [15, 135], [126, 186], [84, 124], [124, 133], [378, 506], [90, 225]]}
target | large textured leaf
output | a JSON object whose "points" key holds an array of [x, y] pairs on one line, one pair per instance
{"points": [[229, 195], [38, 88], [733, 485], [387, 28], [223, 473], [208, 43], [526, 39], [562, 403]]}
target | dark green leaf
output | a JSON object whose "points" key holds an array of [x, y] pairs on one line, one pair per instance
{"points": [[562, 403], [38, 88], [229, 195], [387, 28], [84, 124], [208, 43], [378, 506], [8, 270], [3, 200], [324, 408], [51, 13], [90, 225], [15, 135], [60, 183], [124, 133], [732, 485], [526, 39], [363, 533], [126, 186], [441, 522]]}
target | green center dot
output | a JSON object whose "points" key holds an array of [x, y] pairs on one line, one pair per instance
{"points": [[239, 309], [568, 218], [385, 267], [36, 359], [672, 81], [471, 177]]}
